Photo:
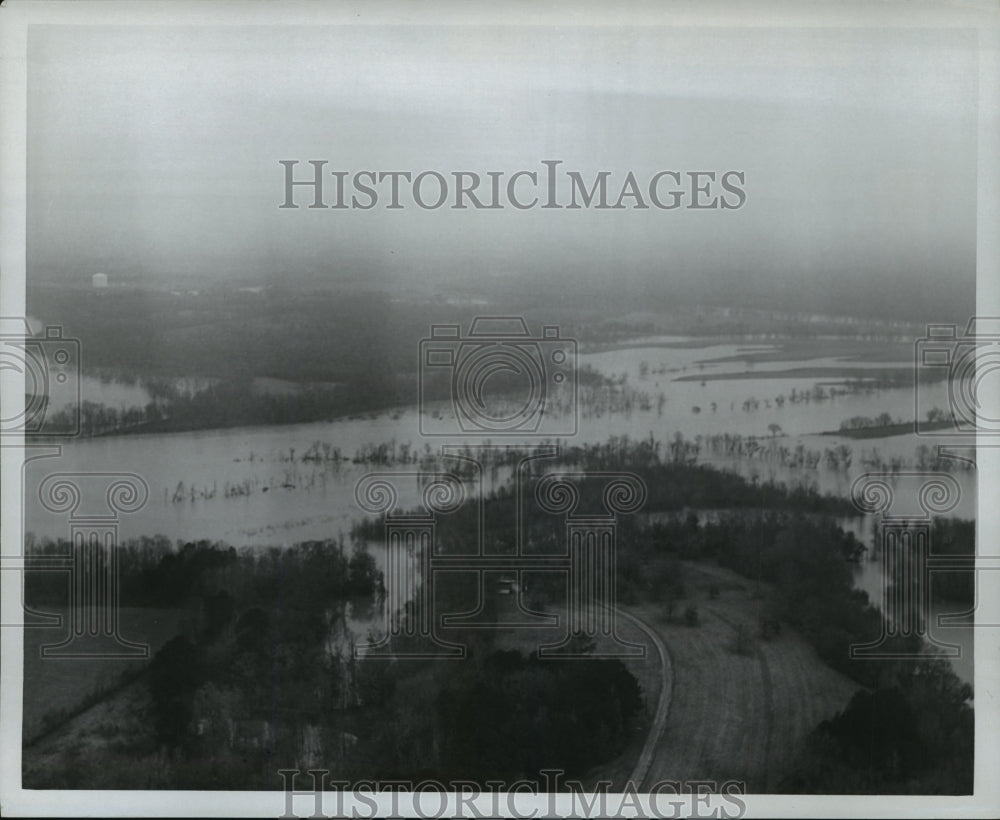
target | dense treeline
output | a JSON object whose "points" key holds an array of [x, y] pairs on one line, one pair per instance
{"points": [[672, 482], [497, 715], [264, 670], [864, 422], [911, 729], [949, 537], [914, 735], [807, 562], [235, 403], [511, 716], [251, 669], [152, 573]]}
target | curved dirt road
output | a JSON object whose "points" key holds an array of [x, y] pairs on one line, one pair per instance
{"points": [[733, 707], [642, 765]]}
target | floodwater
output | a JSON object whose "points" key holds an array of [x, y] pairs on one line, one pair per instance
{"points": [[252, 486]]}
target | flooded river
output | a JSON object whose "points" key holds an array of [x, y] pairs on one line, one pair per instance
{"points": [[253, 486]]}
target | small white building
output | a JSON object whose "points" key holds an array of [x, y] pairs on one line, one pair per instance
{"points": [[99, 280]]}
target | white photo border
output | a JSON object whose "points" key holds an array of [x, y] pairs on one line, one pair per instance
{"points": [[15, 20]]}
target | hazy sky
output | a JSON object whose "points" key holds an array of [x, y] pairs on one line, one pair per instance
{"points": [[155, 150]]}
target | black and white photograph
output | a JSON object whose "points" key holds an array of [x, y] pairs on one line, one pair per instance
{"points": [[495, 410]]}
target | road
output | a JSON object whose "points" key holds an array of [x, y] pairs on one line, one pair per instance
{"points": [[740, 708], [641, 770]]}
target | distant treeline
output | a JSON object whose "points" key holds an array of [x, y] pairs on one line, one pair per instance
{"points": [[883, 425], [232, 403], [298, 336], [863, 422], [238, 402], [364, 343]]}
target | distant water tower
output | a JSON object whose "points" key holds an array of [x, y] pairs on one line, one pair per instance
{"points": [[100, 280]]}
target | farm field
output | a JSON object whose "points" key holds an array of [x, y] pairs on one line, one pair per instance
{"points": [[740, 715], [55, 688], [108, 743]]}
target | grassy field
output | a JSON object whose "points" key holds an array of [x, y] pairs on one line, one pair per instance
{"points": [[108, 744], [740, 715], [57, 688]]}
